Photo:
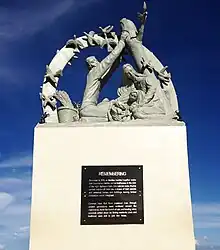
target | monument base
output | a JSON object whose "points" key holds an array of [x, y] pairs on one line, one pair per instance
{"points": [[60, 151]]}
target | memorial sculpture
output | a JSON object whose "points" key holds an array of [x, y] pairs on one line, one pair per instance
{"points": [[147, 91], [113, 170]]}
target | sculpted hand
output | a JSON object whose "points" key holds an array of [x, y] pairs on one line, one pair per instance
{"points": [[125, 35], [120, 105], [143, 16], [164, 76]]}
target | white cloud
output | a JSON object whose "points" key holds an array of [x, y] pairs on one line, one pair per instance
{"points": [[208, 247], [15, 23], [206, 215], [197, 242], [20, 160], [2, 247], [18, 23], [206, 208], [23, 232], [15, 211], [24, 229], [18, 209], [5, 200], [12, 185]]}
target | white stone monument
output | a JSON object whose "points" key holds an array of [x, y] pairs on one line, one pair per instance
{"points": [[59, 154], [111, 175]]}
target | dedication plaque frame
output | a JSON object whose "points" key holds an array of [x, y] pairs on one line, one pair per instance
{"points": [[112, 195]]}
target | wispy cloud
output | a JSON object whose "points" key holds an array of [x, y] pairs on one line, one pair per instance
{"points": [[208, 247], [5, 200], [206, 215], [197, 242], [17, 23], [2, 247], [15, 161], [15, 193], [20, 22], [15, 212]]}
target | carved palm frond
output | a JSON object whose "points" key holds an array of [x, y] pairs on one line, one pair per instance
{"points": [[64, 99]]}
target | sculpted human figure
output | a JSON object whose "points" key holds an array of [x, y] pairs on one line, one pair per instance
{"points": [[141, 54], [127, 84], [147, 86], [138, 95], [99, 73], [119, 110]]}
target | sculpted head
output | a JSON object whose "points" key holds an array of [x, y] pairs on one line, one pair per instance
{"points": [[128, 25], [133, 96], [127, 68], [91, 62], [128, 71]]}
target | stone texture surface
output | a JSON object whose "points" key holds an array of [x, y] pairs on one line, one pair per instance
{"points": [[59, 153]]}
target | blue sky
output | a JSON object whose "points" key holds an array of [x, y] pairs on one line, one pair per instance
{"points": [[183, 34]]}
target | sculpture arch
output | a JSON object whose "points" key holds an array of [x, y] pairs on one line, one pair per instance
{"points": [[69, 52]]}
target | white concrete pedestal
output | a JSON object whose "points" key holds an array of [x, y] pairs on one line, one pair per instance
{"points": [[59, 153]]}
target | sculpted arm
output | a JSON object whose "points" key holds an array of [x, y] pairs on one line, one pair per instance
{"points": [[105, 65], [142, 17]]}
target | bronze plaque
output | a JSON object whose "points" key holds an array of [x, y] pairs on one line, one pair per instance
{"points": [[112, 195]]}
